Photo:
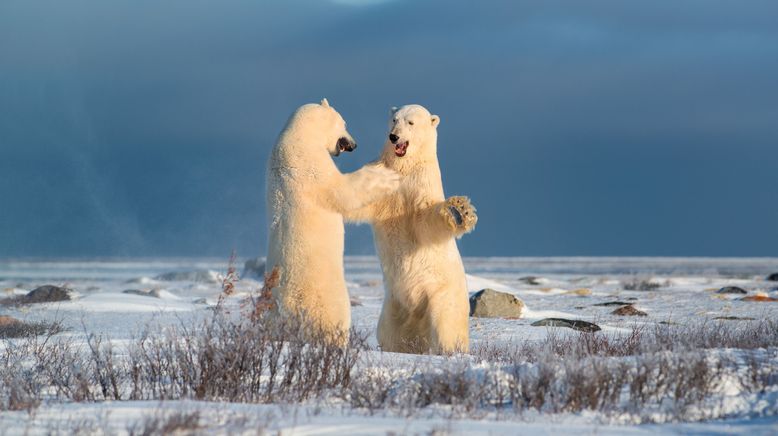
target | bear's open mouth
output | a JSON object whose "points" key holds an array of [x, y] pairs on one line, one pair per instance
{"points": [[401, 148], [345, 144]]}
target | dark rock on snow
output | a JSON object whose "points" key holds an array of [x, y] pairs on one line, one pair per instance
{"points": [[614, 303], [46, 294], [628, 311], [14, 328], [575, 324], [201, 276], [488, 303], [734, 318], [731, 290], [254, 268], [152, 293], [7, 320], [773, 277], [530, 280], [761, 298]]}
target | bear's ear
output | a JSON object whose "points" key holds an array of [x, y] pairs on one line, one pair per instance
{"points": [[435, 120], [395, 109], [325, 103]]}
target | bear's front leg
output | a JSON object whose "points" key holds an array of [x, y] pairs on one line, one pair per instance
{"points": [[360, 188], [458, 215]]}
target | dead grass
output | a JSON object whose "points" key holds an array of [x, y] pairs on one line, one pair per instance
{"points": [[223, 358], [642, 339], [653, 374], [650, 388]]}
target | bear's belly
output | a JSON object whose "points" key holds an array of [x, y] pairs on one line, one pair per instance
{"points": [[410, 269]]}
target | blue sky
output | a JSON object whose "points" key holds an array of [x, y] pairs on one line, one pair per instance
{"points": [[139, 128]]}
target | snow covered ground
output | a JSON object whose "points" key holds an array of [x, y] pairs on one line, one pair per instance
{"points": [[684, 292]]}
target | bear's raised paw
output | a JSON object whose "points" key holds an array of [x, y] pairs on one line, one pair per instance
{"points": [[459, 214]]}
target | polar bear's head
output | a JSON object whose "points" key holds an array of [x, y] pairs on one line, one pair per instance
{"points": [[317, 125], [413, 134]]}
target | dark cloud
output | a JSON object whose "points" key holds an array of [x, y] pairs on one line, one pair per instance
{"points": [[602, 127]]}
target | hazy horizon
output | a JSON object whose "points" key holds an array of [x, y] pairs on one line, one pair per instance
{"points": [[138, 129]]}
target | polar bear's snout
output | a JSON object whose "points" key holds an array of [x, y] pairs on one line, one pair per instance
{"points": [[400, 147], [346, 144]]}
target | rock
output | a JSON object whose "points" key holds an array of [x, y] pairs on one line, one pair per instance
{"points": [[141, 281], [628, 311], [488, 303], [7, 320], [762, 298], [46, 294], [731, 290], [614, 303], [198, 276], [575, 324], [582, 292], [636, 284], [734, 318], [152, 293], [355, 301], [254, 268], [200, 301], [11, 328], [773, 277], [531, 280]]}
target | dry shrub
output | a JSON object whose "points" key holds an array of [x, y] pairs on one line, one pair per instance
{"points": [[652, 373], [264, 302], [223, 357], [224, 360], [641, 339], [371, 388], [669, 385], [21, 329]]}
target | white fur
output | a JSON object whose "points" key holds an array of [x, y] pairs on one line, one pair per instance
{"points": [[306, 197], [426, 302]]}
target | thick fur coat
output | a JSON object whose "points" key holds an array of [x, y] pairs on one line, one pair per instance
{"points": [[306, 198], [426, 301]]}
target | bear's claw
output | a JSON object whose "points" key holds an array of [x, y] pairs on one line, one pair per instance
{"points": [[459, 214]]}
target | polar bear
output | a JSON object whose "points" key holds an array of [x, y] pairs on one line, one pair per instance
{"points": [[426, 302], [306, 197]]}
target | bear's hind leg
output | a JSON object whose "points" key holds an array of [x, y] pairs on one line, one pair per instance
{"points": [[400, 331], [449, 325]]}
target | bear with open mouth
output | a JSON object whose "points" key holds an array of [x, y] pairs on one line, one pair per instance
{"points": [[306, 198], [426, 303]]}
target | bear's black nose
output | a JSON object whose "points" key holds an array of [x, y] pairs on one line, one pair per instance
{"points": [[393, 137]]}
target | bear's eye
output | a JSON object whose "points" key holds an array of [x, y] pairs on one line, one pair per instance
{"points": [[394, 120], [410, 122]]}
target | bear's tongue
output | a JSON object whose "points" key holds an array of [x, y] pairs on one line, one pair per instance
{"points": [[401, 148]]}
